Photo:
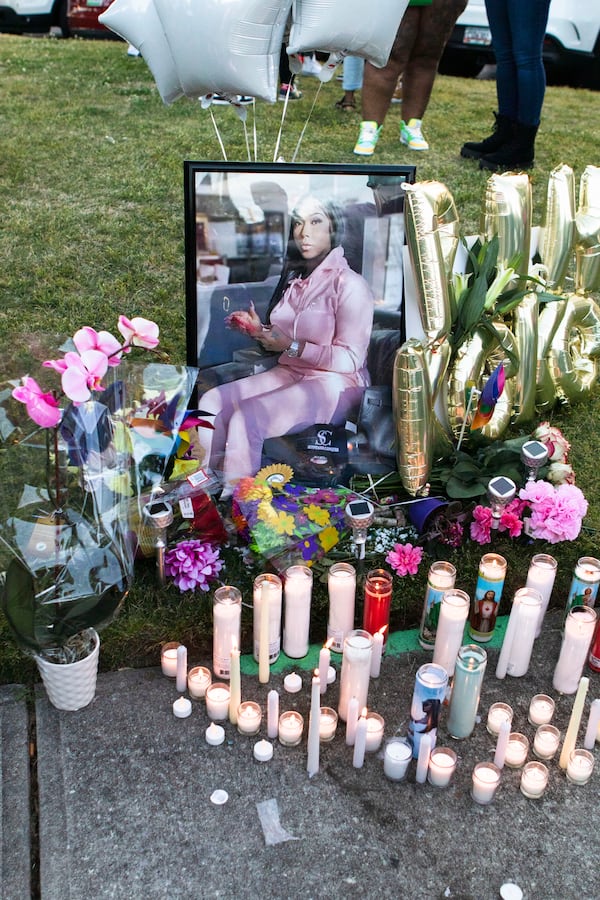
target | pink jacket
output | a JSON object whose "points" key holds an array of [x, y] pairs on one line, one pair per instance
{"points": [[332, 310]]}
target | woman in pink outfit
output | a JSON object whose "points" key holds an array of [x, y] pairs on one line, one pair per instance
{"points": [[319, 321]]}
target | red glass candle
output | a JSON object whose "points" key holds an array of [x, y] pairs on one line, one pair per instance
{"points": [[378, 597]]}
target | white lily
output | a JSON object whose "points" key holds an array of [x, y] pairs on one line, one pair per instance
{"points": [[504, 276]]}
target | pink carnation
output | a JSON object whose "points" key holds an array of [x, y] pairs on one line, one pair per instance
{"points": [[556, 513], [404, 559], [193, 564], [481, 526]]}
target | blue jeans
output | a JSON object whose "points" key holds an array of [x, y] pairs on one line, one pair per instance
{"points": [[518, 28], [352, 73]]}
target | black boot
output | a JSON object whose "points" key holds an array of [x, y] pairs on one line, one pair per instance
{"points": [[516, 155], [502, 133]]}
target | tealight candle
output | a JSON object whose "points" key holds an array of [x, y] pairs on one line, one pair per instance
{"points": [[498, 713], [546, 741], [168, 659], [375, 727], [249, 716], [541, 709], [291, 725], [182, 708], [199, 678], [396, 759], [516, 750], [442, 764], [263, 751], [214, 735], [328, 724], [217, 701], [292, 683], [580, 766], [486, 778], [534, 779]]}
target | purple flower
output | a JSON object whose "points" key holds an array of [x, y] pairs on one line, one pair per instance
{"points": [[404, 559], [193, 564]]}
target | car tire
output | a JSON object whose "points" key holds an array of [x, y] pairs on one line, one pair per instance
{"points": [[61, 17]]}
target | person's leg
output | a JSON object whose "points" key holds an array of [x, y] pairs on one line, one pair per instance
{"points": [[506, 70], [528, 26], [379, 84]]}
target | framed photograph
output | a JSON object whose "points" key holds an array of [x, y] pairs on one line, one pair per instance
{"points": [[243, 248]]}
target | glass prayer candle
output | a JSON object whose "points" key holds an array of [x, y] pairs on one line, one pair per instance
{"points": [[580, 766], [327, 724], [442, 764], [534, 779], [168, 659], [378, 598], [527, 611], [249, 717], [291, 726], [541, 709], [441, 577], [486, 778], [375, 727], [546, 741], [540, 577], [297, 592], [396, 759], [227, 619], [516, 750], [198, 680], [594, 657], [356, 670], [217, 701], [431, 684], [488, 593], [577, 637], [497, 714], [466, 690], [584, 585], [271, 585], [341, 587], [454, 611]]}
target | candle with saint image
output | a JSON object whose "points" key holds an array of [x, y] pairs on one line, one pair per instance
{"points": [[181, 669], [577, 637], [451, 625], [360, 741], [423, 759], [574, 722], [341, 587], [540, 577], [431, 685], [297, 593], [227, 623], [488, 593], [272, 714], [168, 659], [585, 583], [352, 721], [378, 598], [235, 684], [267, 633], [441, 577], [356, 670], [324, 660], [314, 725], [377, 652]]}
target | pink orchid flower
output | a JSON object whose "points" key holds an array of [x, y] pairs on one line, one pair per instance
{"points": [[42, 408], [88, 338], [138, 332], [83, 374]]}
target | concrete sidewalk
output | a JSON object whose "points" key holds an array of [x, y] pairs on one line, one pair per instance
{"points": [[125, 809]]}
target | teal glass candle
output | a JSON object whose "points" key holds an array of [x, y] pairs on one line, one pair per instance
{"points": [[466, 690]]}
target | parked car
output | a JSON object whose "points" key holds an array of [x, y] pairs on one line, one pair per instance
{"points": [[78, 17], [571, 46]]}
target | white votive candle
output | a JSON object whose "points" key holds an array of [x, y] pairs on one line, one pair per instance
{"points": [[291, 725], [198, 680], [541, 709], [546, 741], [375, 727], [182, 708], [217, 701], [214, 735], [249, 716], [442, 764], [486, 778], [328, 724], [168, 659], [396, 759], [580, 766], [497, 714], [534, 779], [516, 750]]}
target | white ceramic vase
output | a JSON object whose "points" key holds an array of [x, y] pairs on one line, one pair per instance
{"points": [[73, 685]]}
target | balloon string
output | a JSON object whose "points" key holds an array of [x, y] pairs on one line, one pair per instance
{"points": [[216, 127], [247, 142], [314, 103], [283, 114], [254, 131], [473, 394]]}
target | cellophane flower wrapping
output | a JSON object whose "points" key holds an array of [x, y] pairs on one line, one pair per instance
{"points": [[67, 535], [291, 523]]}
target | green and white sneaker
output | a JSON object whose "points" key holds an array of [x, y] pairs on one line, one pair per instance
{"points": [[410, 134], [367, 139]]}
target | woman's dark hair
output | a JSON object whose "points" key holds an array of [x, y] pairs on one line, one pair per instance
{"points": [[294, 265]]}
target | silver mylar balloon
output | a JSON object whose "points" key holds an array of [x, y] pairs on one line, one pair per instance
{"points": [[413, 415], [507, 213]]}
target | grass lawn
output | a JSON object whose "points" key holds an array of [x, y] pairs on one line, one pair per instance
{"points": [[91, 191]]}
